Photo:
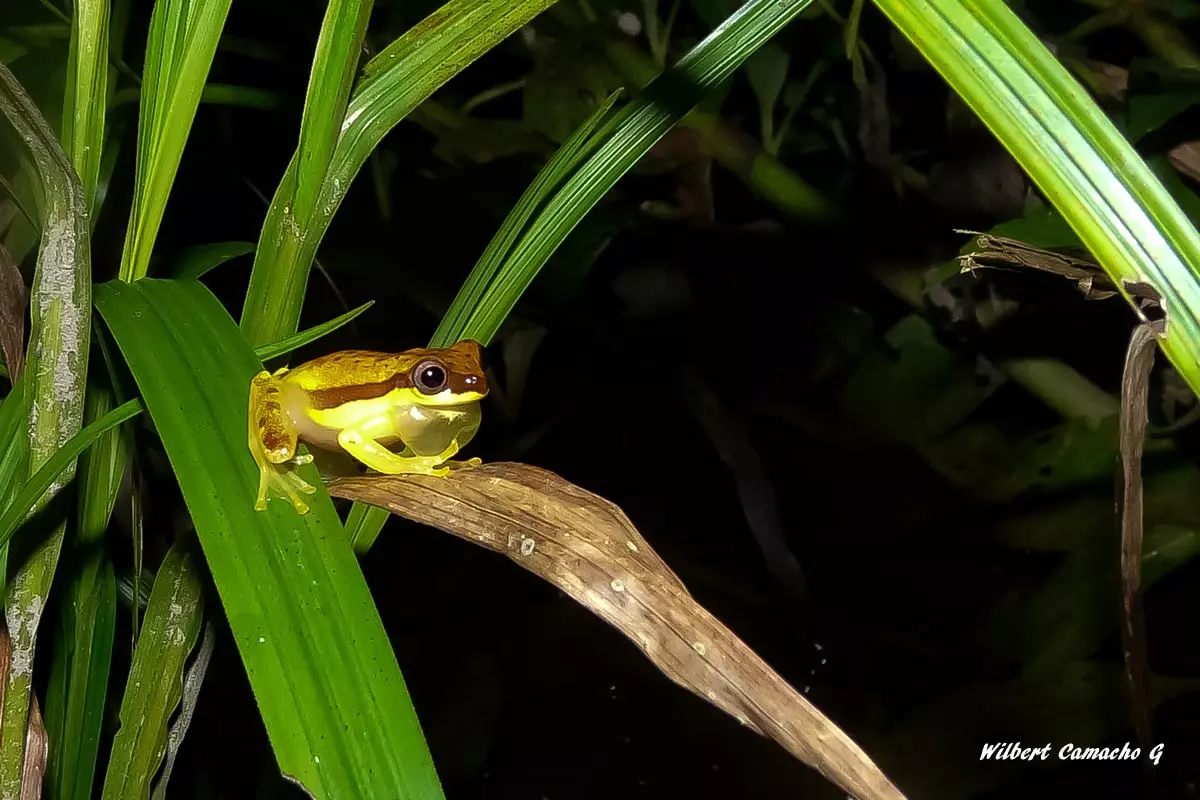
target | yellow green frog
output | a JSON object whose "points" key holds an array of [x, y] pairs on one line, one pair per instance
{"points": [[361, 402]]}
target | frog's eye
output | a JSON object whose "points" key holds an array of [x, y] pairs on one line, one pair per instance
{"points": [[429, 377]]}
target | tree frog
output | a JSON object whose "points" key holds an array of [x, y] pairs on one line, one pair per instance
{"points": [[361, 401]]}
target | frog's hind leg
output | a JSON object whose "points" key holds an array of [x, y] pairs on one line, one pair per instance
{"points": [[273, 441]]}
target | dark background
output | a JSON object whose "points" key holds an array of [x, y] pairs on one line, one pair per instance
{"points": [[522, 693]]}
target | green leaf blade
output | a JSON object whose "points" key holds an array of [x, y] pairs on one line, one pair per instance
{"points": [[87, 92], [179, 54], [197, 261], [334, 67], [155, 685], [83, 654]]}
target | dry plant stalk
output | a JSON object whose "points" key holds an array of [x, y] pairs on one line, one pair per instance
{"points": [[1139, 361], [588, 548]]}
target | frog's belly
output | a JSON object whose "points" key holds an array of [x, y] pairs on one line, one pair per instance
{"points": [[314, 433], [327, 438]]}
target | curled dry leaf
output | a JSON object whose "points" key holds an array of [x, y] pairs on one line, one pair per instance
{"points": [[588, 548], [1139, 361], [1000, 252], [37, 752], [13, 297]]}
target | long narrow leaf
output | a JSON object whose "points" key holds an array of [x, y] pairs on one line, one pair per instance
{"points": [[155, 683], [193, 679], [1071, 150], [334, 67], [198, 260], [319, 661], [60, 310], [75, 709], [296, 341], [578, 146], [53, 469], [79, 675], [87, 92], [182, 40]]}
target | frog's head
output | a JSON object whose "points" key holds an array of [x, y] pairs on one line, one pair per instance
{"points": [[447, 376]]}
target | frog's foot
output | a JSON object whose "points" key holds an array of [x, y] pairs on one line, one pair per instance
{"points": [[380, 459], [470, 462], [280, 480]]}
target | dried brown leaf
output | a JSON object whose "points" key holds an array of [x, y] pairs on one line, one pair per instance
{"points": [[13, 297], [1139, 361], [588, 548], [1000, 252], [1107, 80], [37, 751], [1186, 159]]}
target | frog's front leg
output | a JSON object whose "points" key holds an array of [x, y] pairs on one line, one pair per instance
{"points": [[273, 441], [361, 442]]}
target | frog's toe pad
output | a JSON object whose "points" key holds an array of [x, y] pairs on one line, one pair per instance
{"points": [[287, 484]]}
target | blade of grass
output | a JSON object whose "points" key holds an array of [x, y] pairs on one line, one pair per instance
{"points": [[53, 470], [75, 709], [197, 261], [1071, 150], [626, 137], [155, 685], [363, 525], [60, 309], [192, 681], [80, 672], [322, 670], [394, 82], [86, 92], [578, 146], [335, 65], [294, 206], [179, 52], [295, 341]]}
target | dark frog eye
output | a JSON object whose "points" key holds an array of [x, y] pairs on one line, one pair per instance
{"points": [[429, 377]]}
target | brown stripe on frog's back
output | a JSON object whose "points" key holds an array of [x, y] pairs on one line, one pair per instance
{"points": [[322, 399]]}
